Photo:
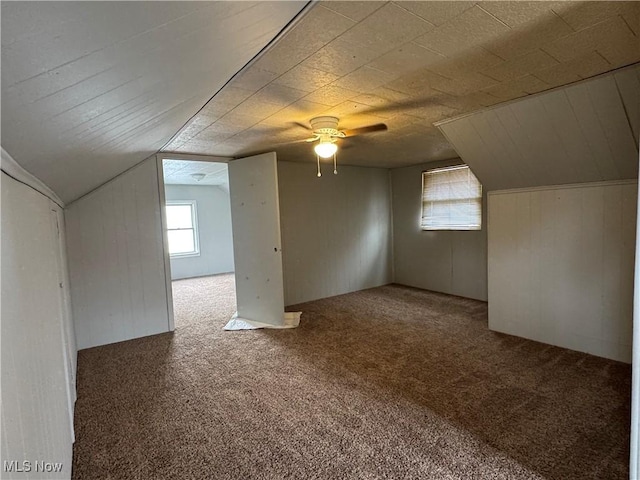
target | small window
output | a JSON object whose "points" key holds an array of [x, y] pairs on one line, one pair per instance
{"points": [[451, 199], [182, 229]]}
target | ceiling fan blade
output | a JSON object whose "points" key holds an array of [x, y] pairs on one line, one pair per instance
{"points": [[378, 127], [304, 140], [300, 124]]}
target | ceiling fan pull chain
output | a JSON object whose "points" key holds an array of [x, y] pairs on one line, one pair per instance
{"points": [[335, 168], [319, 173]]}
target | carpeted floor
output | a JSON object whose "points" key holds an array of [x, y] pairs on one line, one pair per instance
{"points": [[204, 300], [392, 382]]}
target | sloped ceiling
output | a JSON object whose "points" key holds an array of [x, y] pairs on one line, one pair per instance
{"points": [[408, 65], [89, 89], [585, 132]]}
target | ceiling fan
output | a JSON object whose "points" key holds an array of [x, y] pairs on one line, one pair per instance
{"points": [[326, 133]]}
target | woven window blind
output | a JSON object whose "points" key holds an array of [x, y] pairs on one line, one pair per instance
{"points": [[451, 199]]}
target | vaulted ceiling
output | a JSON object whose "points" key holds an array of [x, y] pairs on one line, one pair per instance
{"points": [[91, 88]]}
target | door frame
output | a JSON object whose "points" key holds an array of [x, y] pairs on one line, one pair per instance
{"points": [[160, 157]]}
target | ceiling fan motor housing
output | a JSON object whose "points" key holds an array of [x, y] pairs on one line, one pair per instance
{"points": [[325, 126]]}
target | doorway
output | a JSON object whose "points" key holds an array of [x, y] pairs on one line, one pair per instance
{"points": [[200, 241]]}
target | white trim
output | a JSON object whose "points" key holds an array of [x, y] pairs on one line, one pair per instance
{"points": [[392, 233], [14, 170], [195, 158], [634, 448], [445, 169], [564, 186], [64, 310], [165, 244]]}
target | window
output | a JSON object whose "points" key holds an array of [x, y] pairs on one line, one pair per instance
{"points": [[451, 199], [182, 228]]}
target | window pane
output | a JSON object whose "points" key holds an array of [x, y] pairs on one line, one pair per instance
{"points": [[451, 199], [181, 241], [179, 216]]}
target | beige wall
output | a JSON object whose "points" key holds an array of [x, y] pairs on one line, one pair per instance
{"points": [[443, 261], [336, 230], [116, 260], [561, 262]]}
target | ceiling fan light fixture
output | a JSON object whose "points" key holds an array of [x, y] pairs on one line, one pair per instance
{"points": [[325, 149]]}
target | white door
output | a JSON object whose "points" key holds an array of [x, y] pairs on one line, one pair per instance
{"points": [[66, 328], [255, 214]]}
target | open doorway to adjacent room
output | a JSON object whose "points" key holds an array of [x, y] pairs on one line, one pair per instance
{"points": [[200, 241]]}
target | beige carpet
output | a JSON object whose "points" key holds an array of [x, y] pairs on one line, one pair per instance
{"points": [[203, 299], [392, 383]]}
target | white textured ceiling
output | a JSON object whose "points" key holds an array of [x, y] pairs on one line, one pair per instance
{"points": [[91, 88], [407, 64], [180, 172]]}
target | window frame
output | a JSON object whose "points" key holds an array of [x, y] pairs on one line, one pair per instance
{"points": [[449, 228], [194, 224]]}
